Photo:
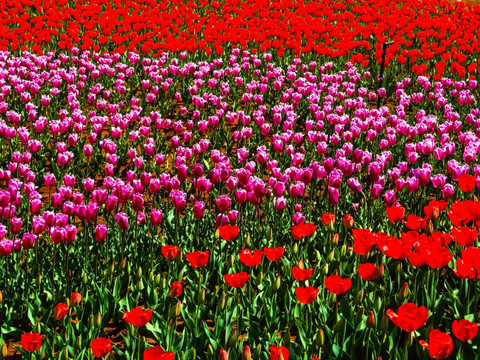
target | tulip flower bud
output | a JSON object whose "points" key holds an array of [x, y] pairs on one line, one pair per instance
{"points": [[230, 260], [276, 284], [434, 214], [98, 320], [122, 265], [331, 226], [1, 297], [301, 264], [85, 278], [359, 316], [65, 354], [325, 270], [221, 304], [193, 354], [140, 284], [335, 239], [37, 329], [178, 308], [474, 198], [247, 240], [320, 338], [318, 256], [4, 351], [233, 338], [429, 227], [380, 272], [410, 338], [398, 268], [295, 248], [331, 256], [75, 299], [78, 343], [371, 320], [223, 355], [348, 221], [151, 277], [163, 284], [38, 280], [332, 298], [179, 258], [139, 272], [338, 326], [158, 280], [200, 280], [201, 296], [128, 269], [91, 321], [358, 298], [343, 251], [257, 352], [246, 353], [287, 337], [384, 324], [210, 351], [403, 293], [217, 234], [259, 278]]}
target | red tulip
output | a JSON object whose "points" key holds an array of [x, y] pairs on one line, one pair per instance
{"points": [[301, 274], [464, 236], [228, 232], [368, 271], [395, 213], [75, 299], [101, 347], [464, 330], [176, 289], [277, 351], [303, 230], [347, 221], [467, 182], [274, 254], [439, 345], [170, 252], [157, 353], [31, 341], [328, 218], [237, 280], [306, 295], [137, 316], [198, 259], [337, 285], [415, 222], [410, 317], [60, 311], [248, 259]]}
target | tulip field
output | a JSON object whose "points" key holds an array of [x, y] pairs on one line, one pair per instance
{"points": [[239, 180]]}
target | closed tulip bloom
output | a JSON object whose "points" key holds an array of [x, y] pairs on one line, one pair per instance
{"points": [[198, 210], [60, 311], [75, 299], [440, 344], [156, 217], [70, 233], [101, 232], [176, 289], [122, 220], [6, 247], [464, 330], [28, 239], [395, 213]]}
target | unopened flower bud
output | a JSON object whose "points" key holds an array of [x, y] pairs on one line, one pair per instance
{"points": [[320, 338], [179, 258], [91, 321], [277, 283], [359, 316], [233, 338], [246, 353], [98, 320], [193, 354], [65, 353], [151, 277], [259, 278], [380, 272], [429, 228], [398, 268], [410, 338], [75, 299], [230, 260], [1, 297], [221, 304], [359, 297], [348, 221], [343, 251], [270, 234], [403, 293], [332, 298], [140, 284], [122, 265], [139, 272], [258, 351], [331, 226], [331, 256], [295, 248], [217, 234], [301, 264], [201, 296], [247, 240], [175, 310], [78, 343], [158, 280], [335, 239], [371, 320], [4, 351], [377, 304], [85, 278], [384, 324], [210, 351], [325, 270], [38, 328], [223, 355]]}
